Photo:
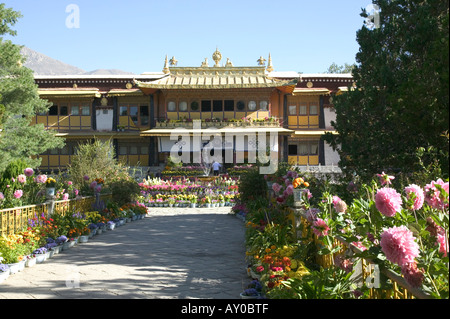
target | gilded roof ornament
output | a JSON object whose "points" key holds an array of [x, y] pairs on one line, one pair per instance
{"points": [[269, 64], [261, 61], [166, 69], [205, 63], [217, 57], [229, 63], [173, 61]]}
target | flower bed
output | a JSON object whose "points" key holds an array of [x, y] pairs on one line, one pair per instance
{"points": [[318, 251], [183, 192], [45, 237]]}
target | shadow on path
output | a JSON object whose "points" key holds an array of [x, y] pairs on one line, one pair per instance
{"points": [[180, 256]]}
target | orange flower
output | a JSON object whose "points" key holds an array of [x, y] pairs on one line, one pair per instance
{"points": [[297, 182], [306, 184]]}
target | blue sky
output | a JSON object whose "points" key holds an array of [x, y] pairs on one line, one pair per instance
{"points": [[135, 36]]}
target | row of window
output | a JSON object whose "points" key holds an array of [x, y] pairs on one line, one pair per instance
{"points": [[139, 114], [303, 148], [303, 109], [217, 106], [64, 110]]}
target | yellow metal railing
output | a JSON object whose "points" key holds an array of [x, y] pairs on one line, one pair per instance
{"points": [[15, 219]]}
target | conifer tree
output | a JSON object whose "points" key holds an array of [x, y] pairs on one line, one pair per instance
{"points": [[400, 103], [20, 102]]}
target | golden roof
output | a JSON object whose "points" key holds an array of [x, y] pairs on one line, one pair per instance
{"points": [[216, 77]]}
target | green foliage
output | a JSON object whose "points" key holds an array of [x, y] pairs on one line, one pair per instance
{"points": [[322, 284], [124, 190], [252, 185], [339, 69], [20, 99], [94, 159], [400, 102], [14, 169]]}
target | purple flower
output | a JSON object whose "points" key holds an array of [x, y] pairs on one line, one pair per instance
{"points": [[28, 172]]}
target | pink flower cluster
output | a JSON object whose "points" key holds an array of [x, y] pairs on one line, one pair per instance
{"points": [[388, 201], [433, 195], [399, 246], [415, 193], [320, 227]]}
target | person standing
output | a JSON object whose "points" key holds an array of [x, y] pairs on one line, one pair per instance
{"points": [[216, 167]]}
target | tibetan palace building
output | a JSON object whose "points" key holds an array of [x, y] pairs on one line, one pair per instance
{"points": [[141, 113]]}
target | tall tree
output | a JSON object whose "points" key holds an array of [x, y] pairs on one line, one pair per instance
{"points": [[339, 69], [20, 100], [400, 102]]}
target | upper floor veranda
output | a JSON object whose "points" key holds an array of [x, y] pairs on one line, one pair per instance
{"points": [[217, 95]]}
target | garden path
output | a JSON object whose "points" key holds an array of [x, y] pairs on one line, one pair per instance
{"points": [[171, 254]]}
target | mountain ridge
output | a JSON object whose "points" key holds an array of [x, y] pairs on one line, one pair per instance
{"points": [[41, 64]]}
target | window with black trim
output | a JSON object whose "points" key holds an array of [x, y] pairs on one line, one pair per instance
{"points": [[206, 106], [292, 150], [53, 110], [217, 106], [229, 105]]}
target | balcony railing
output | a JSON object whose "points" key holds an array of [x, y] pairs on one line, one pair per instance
{"points": [[217, 123]]}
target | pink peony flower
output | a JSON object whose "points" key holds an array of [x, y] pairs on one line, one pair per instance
{"points": [[412, 274], [260, 268], [336, 200], [320, 227], [399, 246], [359, 245], [311, 214], [289, 190], [443, 244], [93, 185], [2, 197], [65, 196], [388, 201], [22, 179], [28, 172], [385, 179], [276, 188], [41, 179], [414, 191], [433, 195], [18, 193]]}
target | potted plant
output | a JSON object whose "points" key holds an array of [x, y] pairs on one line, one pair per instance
{"points": [[41, 254], [193, 200], [84, 237], [4, 271], [171, 201], [50, 185], [253, 290], [110, 225]]}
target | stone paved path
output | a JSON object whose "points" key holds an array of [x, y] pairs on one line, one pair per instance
{"points": [[171, 254]]}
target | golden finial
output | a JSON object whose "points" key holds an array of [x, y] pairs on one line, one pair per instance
{"points": [[217, 57], [166, 66], [269, 64], [261, 61], [205, 63], [173, 61]]}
